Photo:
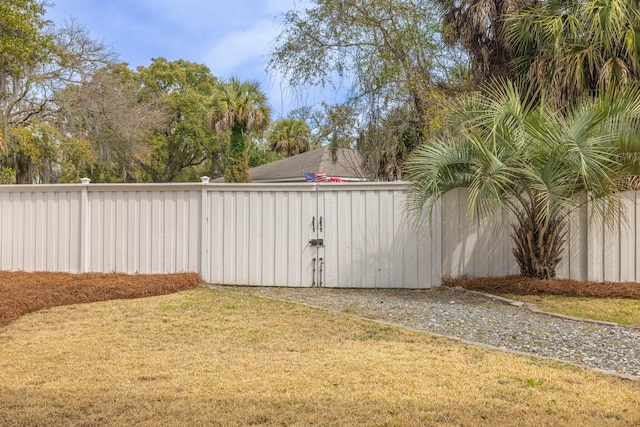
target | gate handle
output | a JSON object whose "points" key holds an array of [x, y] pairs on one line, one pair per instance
{"points": [[313, 275]]}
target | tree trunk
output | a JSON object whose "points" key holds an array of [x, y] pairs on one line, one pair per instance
{"points": [[237, 168], [538, 250]]}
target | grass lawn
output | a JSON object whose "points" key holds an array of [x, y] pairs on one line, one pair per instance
{"points": [[212, 357], [618, 310], [611, 302]]}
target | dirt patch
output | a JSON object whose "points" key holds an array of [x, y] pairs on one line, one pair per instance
{"points": [[518, 285], [22, 293]]}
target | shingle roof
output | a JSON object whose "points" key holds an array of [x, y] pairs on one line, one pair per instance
{"points": [[347, 165]]}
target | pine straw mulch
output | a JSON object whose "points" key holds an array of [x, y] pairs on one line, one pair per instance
{"points": [[518, 285], [22, 292]]}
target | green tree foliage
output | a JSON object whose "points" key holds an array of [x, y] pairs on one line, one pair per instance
{"points": [[388, 53], [183, 89], [24, 40], [576, 48], [239, 108], [289, 136], [519, 155], [39, 153], [36, 61], [145, 125], [386, 141], [385, 146], [335, 125], [24, 44], [260, 153]]}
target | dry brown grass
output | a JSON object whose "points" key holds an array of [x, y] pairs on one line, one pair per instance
{"points": [[606, 301], [622, 311], [212, 357]]}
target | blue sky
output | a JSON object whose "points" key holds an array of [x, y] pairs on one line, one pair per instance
{"points": [[233, 38]]}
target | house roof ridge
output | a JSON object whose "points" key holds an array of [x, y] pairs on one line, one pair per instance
{"points": [[320, 160]]}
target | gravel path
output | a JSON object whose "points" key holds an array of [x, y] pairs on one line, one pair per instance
{"points": [[478, 318]]}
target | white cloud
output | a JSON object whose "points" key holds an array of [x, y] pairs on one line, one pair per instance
{"points": [[243, 51]]}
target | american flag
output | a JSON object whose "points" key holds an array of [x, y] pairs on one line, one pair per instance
{"points": [[316, 177], [320, 177]]}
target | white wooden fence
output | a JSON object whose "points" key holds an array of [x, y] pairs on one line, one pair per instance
{"points": [[333, 235], [253, 234], [592, 251]]}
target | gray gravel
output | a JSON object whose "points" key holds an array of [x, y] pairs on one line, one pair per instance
{"points": [[482, 319]]}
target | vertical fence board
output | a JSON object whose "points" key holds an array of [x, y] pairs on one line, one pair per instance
{"points": [[255, 235], [61, 246], [384, 207], [145, 232], [228, 249], [133, 215], [331, 235], [293, 239], [344, 242], [453, 224], [574, 261], [628, 239], [20, 232], [195, 232], [635, 218], [371, 220], [242, 214], [216, 236], [397, 245], [611, 253], [281, 219], [169, 225], [120, 246], [360, 247], [268, 249], [435, 239], [7, 227]]}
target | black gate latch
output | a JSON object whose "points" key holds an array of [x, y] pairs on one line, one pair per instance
{"points": [[316, 242]]}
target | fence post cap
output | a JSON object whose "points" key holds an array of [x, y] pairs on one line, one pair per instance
{"points": [[85, 181], [205, 179]]}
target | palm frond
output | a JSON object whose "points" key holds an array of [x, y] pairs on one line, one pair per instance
{"points": [[435, 168]]}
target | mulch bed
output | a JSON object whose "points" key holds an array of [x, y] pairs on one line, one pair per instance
{"points": [[518, 285], [22, 293]]}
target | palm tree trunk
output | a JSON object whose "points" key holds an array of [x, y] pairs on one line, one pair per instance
{"points": [[538, 243], [237, 168]]}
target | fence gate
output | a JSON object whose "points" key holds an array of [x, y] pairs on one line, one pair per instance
{"points": [[360, 236], [325, 235]]}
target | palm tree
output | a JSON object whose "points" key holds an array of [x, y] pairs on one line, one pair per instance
{"points": [[289, 136], [479, 26], [240, 108], [526, 159], [573, 48]]}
